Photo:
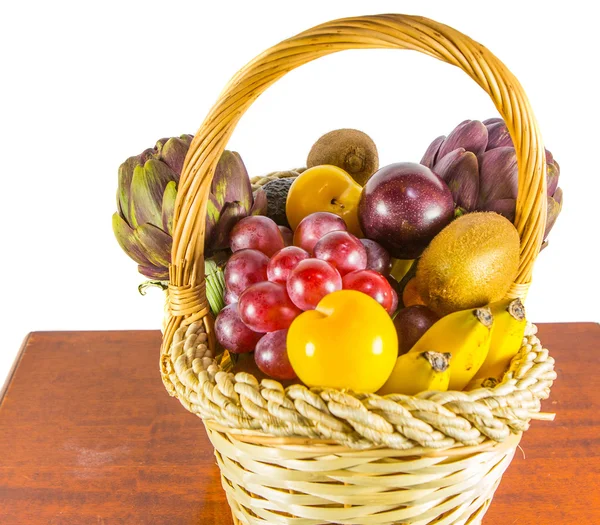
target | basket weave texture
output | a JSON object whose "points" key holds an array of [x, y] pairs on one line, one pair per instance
{"points": [[313, 456]]}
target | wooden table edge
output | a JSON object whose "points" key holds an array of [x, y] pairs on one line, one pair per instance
{"points": [[24, 345], [134, 468], [14, 367]]}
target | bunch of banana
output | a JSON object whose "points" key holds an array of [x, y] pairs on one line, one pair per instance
{"points": [[465, 336], [470, 348]]}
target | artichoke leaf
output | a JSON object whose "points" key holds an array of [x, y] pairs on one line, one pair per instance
{"points": [[173, 154], [430, 157], [231, 182], [499, 175], [124, 188], [554, 209], [230, 215], [259, 207], [156, 243], [552, 175], [148, 153], [460, 170], [492, 120], [498, 136], [147, 188], [471, 135], [213, 214], [168, 207], [558, 196], [153, 272], [505, 207], [128, 241]]}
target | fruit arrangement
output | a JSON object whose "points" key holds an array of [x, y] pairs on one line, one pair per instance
{"points": [[349, 275], [349, 332]]}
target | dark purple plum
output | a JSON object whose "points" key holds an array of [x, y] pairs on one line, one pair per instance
{"points": [[411, 323], [378, 258], [403, 206]]}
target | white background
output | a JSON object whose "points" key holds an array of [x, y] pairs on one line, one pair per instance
{"points": [[85, 85]]}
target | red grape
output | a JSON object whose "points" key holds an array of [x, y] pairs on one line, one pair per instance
{"points": [[266, 307], [271, 356], [393, 283], [370, 283], [283, 262], [395, 302], [232, 333], [314, 226], [244, 268], [310, 281], [287, 234], [230, 297], [257, 233], [378, 258], [342, 250]]}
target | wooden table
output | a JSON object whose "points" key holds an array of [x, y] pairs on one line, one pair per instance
{"points": [[89, 436]]}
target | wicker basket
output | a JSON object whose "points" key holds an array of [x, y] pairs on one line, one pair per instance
{"points": [[299, 456]]}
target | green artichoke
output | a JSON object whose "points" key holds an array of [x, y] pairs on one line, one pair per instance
{"points": [[143, 224], [478, 162], [146, 195]]}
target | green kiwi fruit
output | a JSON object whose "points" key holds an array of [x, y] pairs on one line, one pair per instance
{"points": [[472, 262]]}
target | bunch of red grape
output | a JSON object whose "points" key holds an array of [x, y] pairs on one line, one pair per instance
{"points": [[269, 283]]}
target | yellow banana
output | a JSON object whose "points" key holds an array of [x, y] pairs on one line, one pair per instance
{"points": [[507, 337], [418, 372], [466, 335], [481, 382]]}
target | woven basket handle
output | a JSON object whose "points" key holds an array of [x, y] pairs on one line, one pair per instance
{"points": [[187, 293]]}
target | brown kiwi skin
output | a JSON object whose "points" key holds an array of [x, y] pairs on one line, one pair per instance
{"points": [[471, 263], [349, 149]]}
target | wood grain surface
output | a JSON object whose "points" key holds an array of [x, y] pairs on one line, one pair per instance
{"points": [[89, 436]]}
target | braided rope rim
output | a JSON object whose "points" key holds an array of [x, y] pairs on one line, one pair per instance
{"points": [[432, 420]]}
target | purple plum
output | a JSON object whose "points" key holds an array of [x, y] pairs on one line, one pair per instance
{"points": [[403, 206]]}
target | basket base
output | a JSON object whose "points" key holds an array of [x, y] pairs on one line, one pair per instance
{"points": [[329, 484], [474, 518]]}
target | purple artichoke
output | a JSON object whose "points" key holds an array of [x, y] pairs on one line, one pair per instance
{"points": [[230, 200], [478, 162], [146, 196]]}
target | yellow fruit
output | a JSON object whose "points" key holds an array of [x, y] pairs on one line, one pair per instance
{"points": [[466, 335], [507, 337], [470, 263], [418, 372], [482, 382], [324, 188], [348, 341]]}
